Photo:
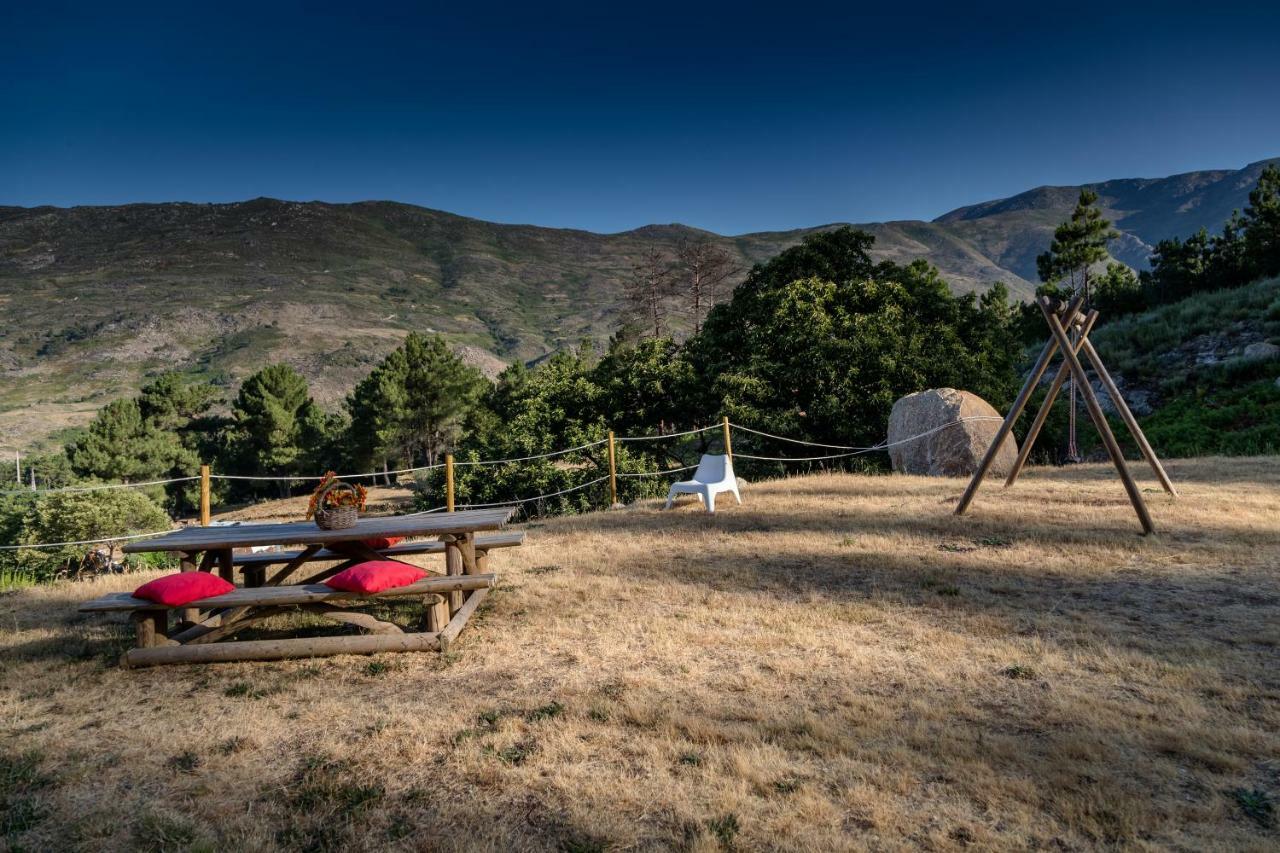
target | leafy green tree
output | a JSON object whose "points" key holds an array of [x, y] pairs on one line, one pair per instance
{"points": [[643, 385], [819, 342], [78, 516]]}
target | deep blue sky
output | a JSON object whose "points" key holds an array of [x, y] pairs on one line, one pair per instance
{"points": [[609, 116]]}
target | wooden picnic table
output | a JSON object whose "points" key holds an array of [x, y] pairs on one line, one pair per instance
{"points": [[450, 599]]}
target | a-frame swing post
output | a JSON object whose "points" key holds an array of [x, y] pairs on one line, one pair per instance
{"points": [[1033, 379], [1126, 415], [1064, 370], [1095, 410]]}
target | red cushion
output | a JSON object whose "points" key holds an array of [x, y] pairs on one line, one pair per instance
{"points": [[375, 576], [380, 542], [182, 588]]}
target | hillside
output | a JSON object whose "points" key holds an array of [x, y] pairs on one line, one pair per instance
{"points": [[98, 298], [838, 664]]}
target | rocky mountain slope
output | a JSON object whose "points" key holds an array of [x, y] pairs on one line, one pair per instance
{"points": [[97, 298]]}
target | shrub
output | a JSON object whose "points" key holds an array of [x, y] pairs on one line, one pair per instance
{"points": [[77, 516]]}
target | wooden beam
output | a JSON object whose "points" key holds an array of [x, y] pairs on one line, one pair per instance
{"points": [[1126, 415], [1104, 430], [145, 629], [1006, 427], [214, 629], [301, 647], [437, 612], [291, 567], [226, 568], [459, 620], [613, 474], [1064, 370], [204, 496], [367, 621], [467, 548], [448, 482]]}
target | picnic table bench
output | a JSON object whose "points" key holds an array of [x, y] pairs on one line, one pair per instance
{"points": [[449, 599]]}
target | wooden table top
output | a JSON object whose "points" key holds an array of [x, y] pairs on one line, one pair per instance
{"points": [[306, 533]]}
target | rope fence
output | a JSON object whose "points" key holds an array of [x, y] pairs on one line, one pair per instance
{"points": [[449, 464]]}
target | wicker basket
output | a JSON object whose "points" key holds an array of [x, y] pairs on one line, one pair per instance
{"points": [[339, 517]]}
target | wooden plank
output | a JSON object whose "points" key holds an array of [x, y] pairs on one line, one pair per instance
{"points": [[459, 619], [483, 542], [300, 647], [1095, 410], [1006, 427], [1064, 370], [118, 601], [292, 594], [307, 533]]}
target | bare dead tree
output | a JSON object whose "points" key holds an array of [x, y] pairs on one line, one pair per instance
{"points": [[703, 268], [650, 288]]}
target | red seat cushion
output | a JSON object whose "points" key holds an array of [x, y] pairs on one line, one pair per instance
{"points": [[380, 542], [182, 588], [375, 576]]}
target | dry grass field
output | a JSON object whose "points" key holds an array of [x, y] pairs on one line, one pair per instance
{"points": [[840, 663]]}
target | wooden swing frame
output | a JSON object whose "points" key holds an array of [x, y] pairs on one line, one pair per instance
{"points": [[1061, 318]]}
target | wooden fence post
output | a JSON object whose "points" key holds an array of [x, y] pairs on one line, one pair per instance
{"points": [[613, 474], [728, 445], [204, 495], [448, 482]]}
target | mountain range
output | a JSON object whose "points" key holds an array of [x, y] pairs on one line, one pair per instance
{"points": [[96, 299]]}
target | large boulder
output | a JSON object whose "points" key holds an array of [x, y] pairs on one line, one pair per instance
{"points": [[1261, 351], [952, 447]]}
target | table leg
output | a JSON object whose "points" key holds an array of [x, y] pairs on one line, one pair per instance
{"points": [[226, 568], [453, 564], [188, 563]]}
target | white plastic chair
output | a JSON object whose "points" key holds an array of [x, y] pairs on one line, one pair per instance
{"points": [[714, 474]]}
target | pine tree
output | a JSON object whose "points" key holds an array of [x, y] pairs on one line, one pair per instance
{"points": [[440, 390], [1078, 244], [121, 445], [1262, 225], [269, 414]]}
